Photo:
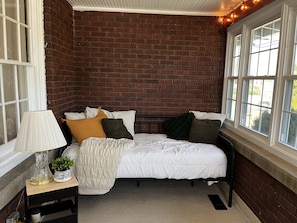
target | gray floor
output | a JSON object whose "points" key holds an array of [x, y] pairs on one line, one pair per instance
{"points": [[161, 202]]}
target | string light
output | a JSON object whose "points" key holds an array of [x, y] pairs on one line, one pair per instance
{"points": [[244, 6], [235, 13]]}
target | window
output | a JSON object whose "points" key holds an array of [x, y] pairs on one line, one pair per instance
{"points": [[20, 65], [259, 84], [260, 92]]}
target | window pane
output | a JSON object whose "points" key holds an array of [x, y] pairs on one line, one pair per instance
{"points": [[9, 83], [22, 82], [267, 96], [253, 66], [11, 8], [24, 106], [264, 121], [236, 56], [11, 121], [289, 115], [256, 35], [23, 16], [23, 44], [231, 99], [266, 37], [263, 63], [264, 49], [1, 127], [294, 62], [237, 45], [1, 39], [12, 42], [292, 136], [235, 67], [256, 105], [273, 62], [1, 8]]}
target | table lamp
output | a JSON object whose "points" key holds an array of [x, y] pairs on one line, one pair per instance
{"points": [[39, 132]]}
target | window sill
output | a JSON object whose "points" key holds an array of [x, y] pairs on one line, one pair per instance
{"points": [[14, 181], [280, 169]]}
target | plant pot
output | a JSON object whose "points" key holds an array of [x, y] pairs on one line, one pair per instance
{"points": [[62, 176]]}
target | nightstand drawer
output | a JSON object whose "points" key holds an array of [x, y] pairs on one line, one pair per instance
{"points": [[53, 195]]}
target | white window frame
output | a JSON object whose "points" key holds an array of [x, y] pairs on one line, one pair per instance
{"points": [[286, 10], [36, 79]]}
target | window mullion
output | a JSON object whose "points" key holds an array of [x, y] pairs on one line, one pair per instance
{"points": [[19, 32]]}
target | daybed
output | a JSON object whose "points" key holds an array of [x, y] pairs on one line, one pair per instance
{"points": [[105, 148]]}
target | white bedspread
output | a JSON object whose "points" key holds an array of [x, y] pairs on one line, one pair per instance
{"points": [[156, 156]]}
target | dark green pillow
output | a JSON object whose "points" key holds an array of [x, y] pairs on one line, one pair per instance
{"points": [[178, 127], [204, 131], [115, 128]]}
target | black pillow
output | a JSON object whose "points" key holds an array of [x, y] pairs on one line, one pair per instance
{"points": [[115, 128], [178, 127], [204, 131]]}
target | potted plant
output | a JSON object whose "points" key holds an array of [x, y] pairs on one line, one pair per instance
{"points": [[62, 166]]}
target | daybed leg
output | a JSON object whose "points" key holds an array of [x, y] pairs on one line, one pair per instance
{"points": [[192, 183], [230, 195], [138, 183]]}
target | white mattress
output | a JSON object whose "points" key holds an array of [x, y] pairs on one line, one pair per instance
{"points": [[156, 156]]}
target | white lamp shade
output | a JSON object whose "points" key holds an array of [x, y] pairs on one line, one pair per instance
{"points": [[39, 131]]}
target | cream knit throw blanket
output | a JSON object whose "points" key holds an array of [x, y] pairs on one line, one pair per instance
{"points": [[97, 163]]}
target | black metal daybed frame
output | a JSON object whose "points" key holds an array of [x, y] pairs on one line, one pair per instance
{"points": [[152, 124]]}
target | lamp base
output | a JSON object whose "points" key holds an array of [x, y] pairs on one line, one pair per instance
{"points": [[42, 174]]}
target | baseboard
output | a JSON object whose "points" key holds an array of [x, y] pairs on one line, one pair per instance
{"points": [[237, 201]]}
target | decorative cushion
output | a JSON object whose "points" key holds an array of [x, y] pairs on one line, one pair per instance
{"points": [[85, 128], [128, 119], [178, 127], [115, 128], [127, 116], [92, 112], [75, 115], [209, 115], [204, 131]]}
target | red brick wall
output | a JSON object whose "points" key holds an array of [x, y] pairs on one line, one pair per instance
{"points": [[270, 200], [60, 74], [150, 63]]}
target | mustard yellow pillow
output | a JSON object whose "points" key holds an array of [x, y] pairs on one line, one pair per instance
{"points": [[85, 128]]}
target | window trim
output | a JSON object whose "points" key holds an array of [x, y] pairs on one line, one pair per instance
{"points": [[287, 11], [36, 80]]}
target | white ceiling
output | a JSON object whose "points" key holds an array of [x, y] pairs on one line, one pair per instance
{"points": [[170, 7]]}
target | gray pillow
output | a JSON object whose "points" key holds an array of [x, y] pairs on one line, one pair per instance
{"points": [[204, 131], [115, 128]]}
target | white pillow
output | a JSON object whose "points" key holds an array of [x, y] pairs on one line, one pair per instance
{"points": [[209, 115], [92, 112], [75, 115], [127, 116], [128, 119]]}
